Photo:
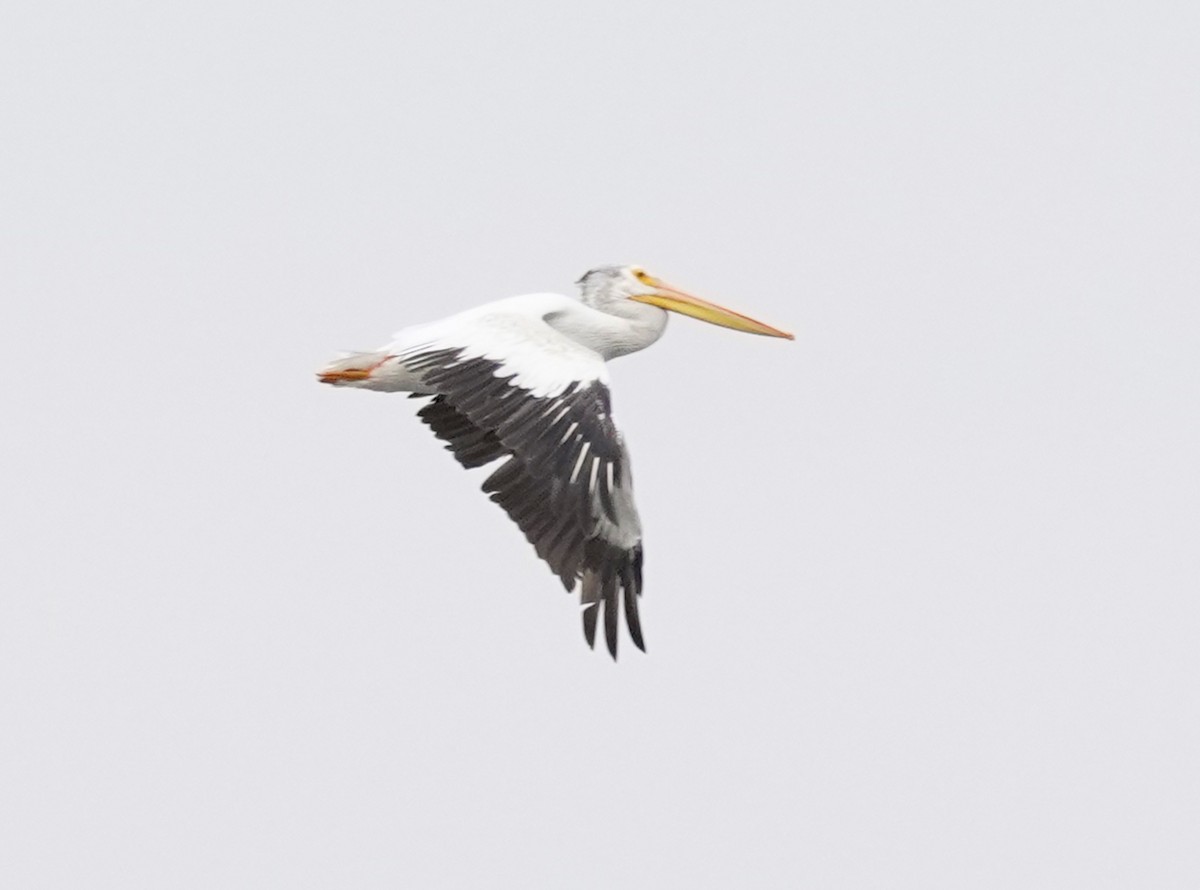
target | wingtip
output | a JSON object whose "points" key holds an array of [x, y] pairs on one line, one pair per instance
{"points": [[589, 624], [632, 620]]}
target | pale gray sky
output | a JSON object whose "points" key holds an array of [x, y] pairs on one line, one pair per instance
{"points": [[922, 587]]}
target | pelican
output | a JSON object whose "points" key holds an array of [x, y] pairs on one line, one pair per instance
{"points": [[524, 380]]}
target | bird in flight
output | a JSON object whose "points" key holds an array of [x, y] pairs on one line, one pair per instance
{"points": [[523, 380]]}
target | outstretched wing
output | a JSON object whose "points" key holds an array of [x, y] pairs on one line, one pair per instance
{"points": [[543, 402]]}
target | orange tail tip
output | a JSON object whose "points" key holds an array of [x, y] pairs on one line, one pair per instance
{"points": [[341, 376], [352, 369]]}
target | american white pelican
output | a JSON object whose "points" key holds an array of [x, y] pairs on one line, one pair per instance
{"points": [[524, 379]]}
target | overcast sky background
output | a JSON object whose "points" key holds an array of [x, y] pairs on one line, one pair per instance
{"points": [[922, 587]]}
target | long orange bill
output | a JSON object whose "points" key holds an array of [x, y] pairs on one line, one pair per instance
{"points": [[675, 300]]}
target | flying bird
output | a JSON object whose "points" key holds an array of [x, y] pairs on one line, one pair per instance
{"points": [[524, 380]]}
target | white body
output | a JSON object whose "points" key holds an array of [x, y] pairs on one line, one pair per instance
{"points": [[546, 340]]}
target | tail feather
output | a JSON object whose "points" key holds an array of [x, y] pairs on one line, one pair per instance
{"points": [[379, 370]]}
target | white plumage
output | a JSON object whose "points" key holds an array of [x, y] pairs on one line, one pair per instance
{"points": [[524, 380]]}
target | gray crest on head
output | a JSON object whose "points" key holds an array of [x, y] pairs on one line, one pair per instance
{"points": [[605, 283]]}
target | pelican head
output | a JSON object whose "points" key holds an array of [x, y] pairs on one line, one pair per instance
{"points": [[607, 285]]}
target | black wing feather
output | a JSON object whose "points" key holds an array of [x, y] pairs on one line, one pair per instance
{"points": [[484, 417], [470, 445]]}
